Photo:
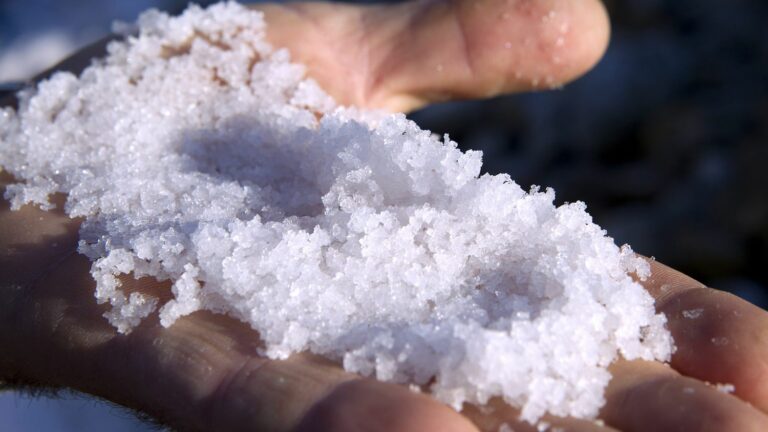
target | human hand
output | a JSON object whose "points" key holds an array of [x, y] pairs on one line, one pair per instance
{"points": [[202, 373]]}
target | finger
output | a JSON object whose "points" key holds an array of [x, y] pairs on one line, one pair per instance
{"points": [[497, 415], [649, 396], [720, 338], [401, 57]]}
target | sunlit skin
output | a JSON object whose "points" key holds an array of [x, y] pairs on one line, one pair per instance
{"points": [[203, 373]]}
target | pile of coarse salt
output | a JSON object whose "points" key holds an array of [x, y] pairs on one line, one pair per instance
{"points": [[198, 154]]}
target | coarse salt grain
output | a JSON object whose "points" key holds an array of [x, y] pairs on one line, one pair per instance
{"points": [[198, 154], [725, 388]]}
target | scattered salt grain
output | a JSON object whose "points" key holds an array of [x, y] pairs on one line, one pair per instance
{"points": [[725, 388], [198, 154], [414, 388], [505, 427], [693, 313]]}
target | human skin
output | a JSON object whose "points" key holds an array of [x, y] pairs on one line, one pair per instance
{"points": [[203, 372]]}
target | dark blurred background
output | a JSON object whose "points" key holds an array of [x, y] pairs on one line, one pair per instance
{"points": [[666, 140]]}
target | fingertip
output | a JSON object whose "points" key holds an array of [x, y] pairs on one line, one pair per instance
{"points": [[591, 39], [594, 31], [569, 37], [522, 45]]}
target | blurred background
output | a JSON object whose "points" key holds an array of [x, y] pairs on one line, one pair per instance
{"points": [[666, 140]]}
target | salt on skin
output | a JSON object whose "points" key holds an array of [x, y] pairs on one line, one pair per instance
{"points": [[693, 313], [198, 154], [725, 388]]}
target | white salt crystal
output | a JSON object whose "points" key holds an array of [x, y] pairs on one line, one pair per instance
{"points": [[198, 154]]}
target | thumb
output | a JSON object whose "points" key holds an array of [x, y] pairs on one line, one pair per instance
{"points": [[404, 56]]}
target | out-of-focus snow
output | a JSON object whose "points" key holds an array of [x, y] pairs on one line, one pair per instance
{"points": [[27, 56], [37, 34]]}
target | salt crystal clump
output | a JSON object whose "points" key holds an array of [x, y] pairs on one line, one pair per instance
{"points": [[198, 154]]}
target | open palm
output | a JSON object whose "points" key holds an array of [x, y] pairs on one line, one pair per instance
{"points": [[202, 373]]}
